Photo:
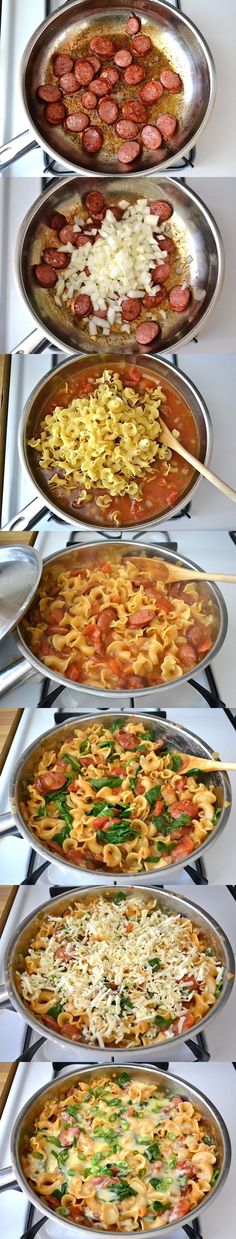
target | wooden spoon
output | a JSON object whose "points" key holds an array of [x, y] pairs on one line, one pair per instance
{"points": [[167, 573], [203, 763], [169, 440]]}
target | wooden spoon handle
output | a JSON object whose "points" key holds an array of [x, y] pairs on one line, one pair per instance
{"points": [[185, 574], [201, 763], [198, 465]]}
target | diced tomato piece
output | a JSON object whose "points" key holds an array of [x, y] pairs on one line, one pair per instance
{"points": [[182, 849], [73, 672], [183, 806]]}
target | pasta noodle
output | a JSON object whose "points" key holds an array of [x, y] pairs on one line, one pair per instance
{"points": [[115, 798], [115, 623], [119, 972], [121, 1153]]}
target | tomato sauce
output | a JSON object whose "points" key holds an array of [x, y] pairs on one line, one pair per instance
{"points": [[159, 491]]}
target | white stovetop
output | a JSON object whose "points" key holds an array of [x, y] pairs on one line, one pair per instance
{"points": [[219, 860], [216, 150], [216, 381], [210, 549], [218, 1085], [219, 1034]]}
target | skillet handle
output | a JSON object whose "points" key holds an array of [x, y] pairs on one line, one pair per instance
{"points": [[4, 999], [35, 342], [7, 1179], [25, 518], [16, 147], [17, 674]]}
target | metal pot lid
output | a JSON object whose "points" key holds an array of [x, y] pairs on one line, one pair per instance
{"points": [[20, 572]]}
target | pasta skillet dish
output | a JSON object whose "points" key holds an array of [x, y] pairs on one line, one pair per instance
{"points": [[120, 1153], [115, 623], [115, 798], [119, 971]]}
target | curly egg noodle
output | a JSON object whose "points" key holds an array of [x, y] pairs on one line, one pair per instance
{"points": [[109, 437], [121, 1153], [114, 623], [119, 972], [114, 798]]}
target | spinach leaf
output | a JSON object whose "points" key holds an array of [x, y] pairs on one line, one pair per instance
{"points": [[116, 834], [163, 1021], [110, 780], [55, 1011], [214, 1176], [42, 811], [72, 761], [183, 820], [152, 1150], [123, 1079], [125, 1004], [62, 834], [195, 771], [153, 793], [84, 746], [60, 1191], [206, 1139], [119, 897], [216, 814], [159, 1207], [117, 722], [121, 1190], [154, 963], [176, 762]]}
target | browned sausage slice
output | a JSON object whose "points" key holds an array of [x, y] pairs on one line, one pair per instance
{"points": [[179, 298], [126, 740], [103, 47], [82, 238], [164, 210], [126, 129], [62, 64], [92, 140], [151, 137], [141, 44], [133, 24], [116, 211], [151, 302], [83, 306], [134, 74], [52, 780], [101, 87], [161, 272], [111, 75], [68, 84], [166, 244], [67, 233], [167, 125], [55, 113], [76, 122], [56, 258], [135, 110], [131, 308], [89, 100], [57, 221], [123, 58], [151, 91], [141, 618], [45, 275], [84, 72], [170, 80], [96, 63], [108, 111], [95, 202], [50, 93], [147, 332], [129, 151]]}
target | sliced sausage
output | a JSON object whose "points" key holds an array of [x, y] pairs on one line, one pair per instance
{"points": [[141, 618], [170, 80], [133, 25], [150, 302], [82, 238], [123, 58], [92, 140], [126, 740], [135, 110], [111, 75], [166, 244], [108, 111], [57, 221], [94, 202], [134, 74], [84, 72], [55, 258], [141, 44], [83, 306], [146, 333], [67, 233], [76, 122], [89, 100], [151, 137], [126, 129], [55, 113], [45, 275], [167, 124], [187, 655], [96, 63], [129, 151], [131, 308], [151, 91], [69, 84], [116, 210], [63, 64], [105, 619], [161, 272], [103, 47], [52, 780], [50, 93], [179, 298], [101, 87], [164, 210]]}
